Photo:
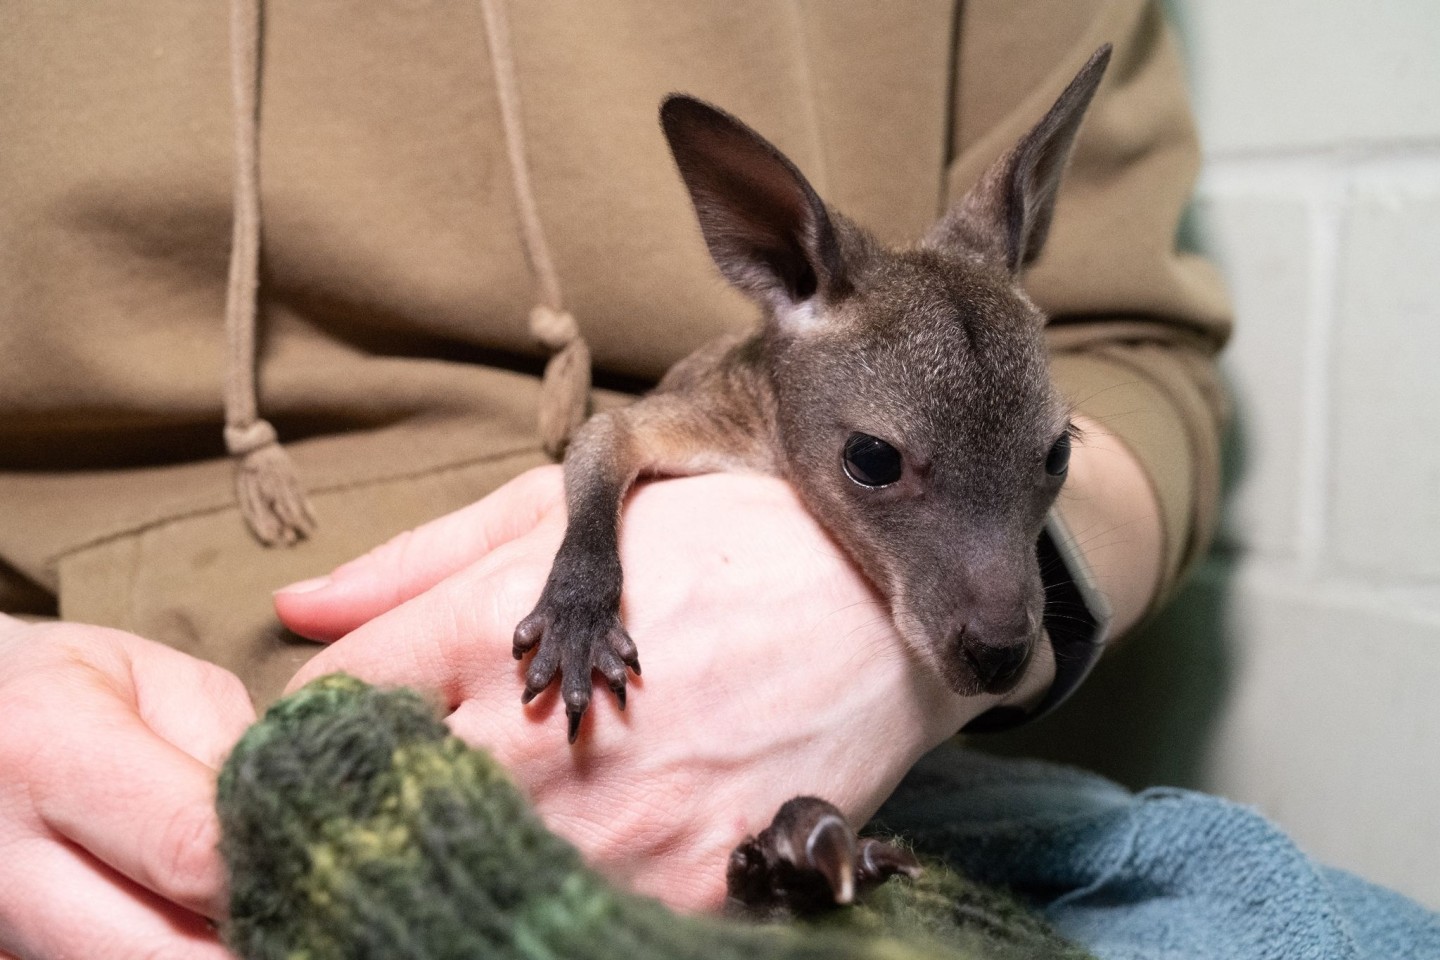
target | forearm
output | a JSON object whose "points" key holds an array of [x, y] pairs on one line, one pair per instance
{"points": [[1144, 487], [1111, 509]]}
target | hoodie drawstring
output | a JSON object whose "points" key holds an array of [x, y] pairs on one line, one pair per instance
{"points": [[565, 389], [270, 496], [269, 493]]}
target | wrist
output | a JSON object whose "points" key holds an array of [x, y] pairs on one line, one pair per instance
{"points": [[1111, 508]]}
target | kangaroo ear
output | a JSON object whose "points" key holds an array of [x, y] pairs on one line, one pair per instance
{"points": [[1006, 216], [766, 228]]}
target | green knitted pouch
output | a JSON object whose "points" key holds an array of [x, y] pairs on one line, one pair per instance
{"points": [[354, 826]]}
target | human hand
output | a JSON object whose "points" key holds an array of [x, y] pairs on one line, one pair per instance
{"points": [[108, 750], [771, 668]]}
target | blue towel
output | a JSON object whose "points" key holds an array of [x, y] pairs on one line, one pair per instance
{"points": [[1161, 874]]}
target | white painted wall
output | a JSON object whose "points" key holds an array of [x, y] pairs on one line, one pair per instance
{"points": [[1321, 202]]}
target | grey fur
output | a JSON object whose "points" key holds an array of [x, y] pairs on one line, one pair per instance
{"points": [[933, 348]]}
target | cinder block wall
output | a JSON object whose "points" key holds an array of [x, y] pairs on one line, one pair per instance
{"points": [[1320, 200], [1299, 671]]}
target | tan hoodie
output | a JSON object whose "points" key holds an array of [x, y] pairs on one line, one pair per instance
{"points": [[395, 359]]}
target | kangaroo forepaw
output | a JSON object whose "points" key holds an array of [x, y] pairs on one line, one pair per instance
{"points": [[574, 640], [809, 859]]}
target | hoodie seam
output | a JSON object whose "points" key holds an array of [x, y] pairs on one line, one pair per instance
{"points": [[189, 513]]}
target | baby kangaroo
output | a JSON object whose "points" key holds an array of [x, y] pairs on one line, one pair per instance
{"points": [[905, 394]]}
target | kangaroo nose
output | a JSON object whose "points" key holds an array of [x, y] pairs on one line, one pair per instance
{"points": [[998, 668]]}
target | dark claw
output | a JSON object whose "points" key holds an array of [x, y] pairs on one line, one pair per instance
{"points": [[830, 851], [613, 671], [878, 860], [624, 647], [573, 638], [630, 657], [808, 860]]}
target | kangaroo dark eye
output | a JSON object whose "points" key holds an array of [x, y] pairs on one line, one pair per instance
{"points": [[870, 461], [1059, 459]]}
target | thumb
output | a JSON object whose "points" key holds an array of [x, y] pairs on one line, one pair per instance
{"points": [[326, 608]]}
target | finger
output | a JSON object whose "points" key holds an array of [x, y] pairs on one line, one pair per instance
{"points": [[457, 638], [59, 902], [197, 706], [104, 780], [413, 562]]}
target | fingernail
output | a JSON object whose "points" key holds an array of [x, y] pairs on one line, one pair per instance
{"points": [[306, 586]]}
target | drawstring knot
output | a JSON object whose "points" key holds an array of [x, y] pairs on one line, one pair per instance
{"points": [[556, 329], [245, 440], [565, 389], [271, 499]]}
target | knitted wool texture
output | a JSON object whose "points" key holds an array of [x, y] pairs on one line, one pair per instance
{"points": [[354, 826]]}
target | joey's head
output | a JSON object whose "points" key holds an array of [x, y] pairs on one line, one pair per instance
{"points": [[914, 402]]}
